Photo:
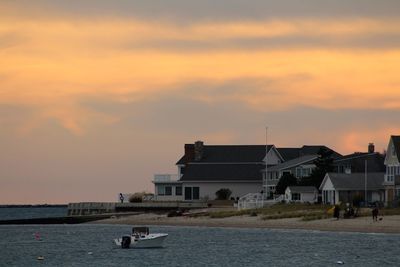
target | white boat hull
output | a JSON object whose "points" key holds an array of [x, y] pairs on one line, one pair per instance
{"points": [[148, 241]]}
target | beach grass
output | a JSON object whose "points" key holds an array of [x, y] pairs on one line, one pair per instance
{"points": [[277, 211]]}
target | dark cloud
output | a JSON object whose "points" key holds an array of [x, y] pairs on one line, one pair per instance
{"points": [[297, 41], [183, 10]]}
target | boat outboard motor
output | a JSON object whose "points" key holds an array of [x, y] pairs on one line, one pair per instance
{"points": [[126, 241]]}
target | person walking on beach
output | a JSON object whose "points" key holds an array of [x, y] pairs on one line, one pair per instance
{"points": [[336, 212], [375, 213]]}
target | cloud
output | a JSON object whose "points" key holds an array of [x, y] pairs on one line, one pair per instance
{"points": [[266, 65]]}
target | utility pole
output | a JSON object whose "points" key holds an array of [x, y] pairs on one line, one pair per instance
{"points": [[265, 189], [365, 182]]}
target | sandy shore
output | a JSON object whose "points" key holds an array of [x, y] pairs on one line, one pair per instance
{"points": [[388, 224]]}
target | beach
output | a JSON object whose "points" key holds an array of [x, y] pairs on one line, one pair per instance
{"points": [[387, 224]]}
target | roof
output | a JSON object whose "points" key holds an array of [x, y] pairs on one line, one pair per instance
{"points": [[396, 143], [356, 161], [292, 153], [231, 154], [223, 172], [303, 189], [354, 155], [294, 162], [355, 181]]}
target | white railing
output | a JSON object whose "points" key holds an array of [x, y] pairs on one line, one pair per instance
{"points": [[256, 201], [165, 177]]}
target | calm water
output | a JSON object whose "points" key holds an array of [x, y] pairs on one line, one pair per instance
{"points": [[29, 212], [69, 245]]}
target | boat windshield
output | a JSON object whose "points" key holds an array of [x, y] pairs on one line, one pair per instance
{"points": [[140, 230]]}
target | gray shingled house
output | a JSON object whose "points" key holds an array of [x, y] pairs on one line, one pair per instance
{"points": [[204, 169], [343, 187]]}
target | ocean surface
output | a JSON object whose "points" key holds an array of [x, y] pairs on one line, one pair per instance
{"points": [[91, 245], [13, 213]]}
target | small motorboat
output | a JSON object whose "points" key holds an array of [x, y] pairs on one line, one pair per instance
{"points": [[141, 238]]}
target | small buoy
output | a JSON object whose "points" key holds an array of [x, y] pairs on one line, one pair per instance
{"points": [[340, 262], [90, 253], [40, 258]]}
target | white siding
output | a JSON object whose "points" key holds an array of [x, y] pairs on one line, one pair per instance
{"points": [[208, 189], [390, 158]]}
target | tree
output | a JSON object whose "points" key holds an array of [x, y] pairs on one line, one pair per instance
{"points": [[223, 194], [323, 165], [286, 180]]}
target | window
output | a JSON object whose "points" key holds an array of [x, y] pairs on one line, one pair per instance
{"points": [[295, 196], [196, 193], [192, 193], [188, 193], [298, 173], [306, 172], [168, 190], [160, 190], [178, 190]]}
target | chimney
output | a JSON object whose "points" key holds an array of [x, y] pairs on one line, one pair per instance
{"points": [[371, 148], [198, 150], [189, 152]]}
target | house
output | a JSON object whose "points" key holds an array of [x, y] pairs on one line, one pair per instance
{"points": [[356, 162], [343, 187], [204, 169], [392, 176], [301, 194], [298, 161], [299, 167]]}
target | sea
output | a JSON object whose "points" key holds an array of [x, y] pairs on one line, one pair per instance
{"points": [[92, 245]]}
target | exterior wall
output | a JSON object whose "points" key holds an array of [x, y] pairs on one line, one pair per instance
{"points": [[329, 194], [390, 158], [163, 197], [304, 197], [392, 169], [208, 189], [273, 158], [309, 197]]}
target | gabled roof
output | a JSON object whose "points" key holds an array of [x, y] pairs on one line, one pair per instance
{"points": [[231, 154], [292, 153], [223, 172], [355, 181], [354, 156], [356, 161], [294, 162], [302, 189], [396, 143]]}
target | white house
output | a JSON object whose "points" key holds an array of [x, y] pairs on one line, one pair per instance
{"points": [[205, 169], [392, 176], [343, 187], [301, 194]]}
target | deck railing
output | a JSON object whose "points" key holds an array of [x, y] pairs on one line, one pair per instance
{"points": [[256, 201]]}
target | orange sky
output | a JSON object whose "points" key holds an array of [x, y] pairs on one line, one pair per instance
{"points": [[82, 77]]}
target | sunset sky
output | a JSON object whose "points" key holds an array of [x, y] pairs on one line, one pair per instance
{"points": [[98, 96]]}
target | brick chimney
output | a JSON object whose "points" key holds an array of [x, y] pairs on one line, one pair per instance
{"points": [[189, 152], [371, 148], [198, 150]]}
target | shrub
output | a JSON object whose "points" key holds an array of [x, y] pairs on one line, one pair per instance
{"points": [[135, 199], [223, 194]]}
